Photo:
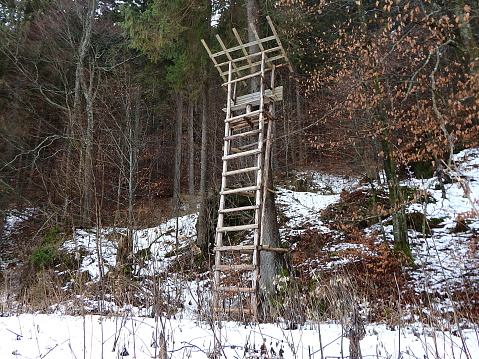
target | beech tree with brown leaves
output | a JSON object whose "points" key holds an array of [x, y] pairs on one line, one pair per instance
{"points": [[394, 82]]}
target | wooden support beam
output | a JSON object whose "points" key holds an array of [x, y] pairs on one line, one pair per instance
{"points": [[238, 38], [279, 42], [247, 45], [228, 54], [213, 59]]}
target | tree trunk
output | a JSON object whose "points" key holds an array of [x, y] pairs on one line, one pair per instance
{"points": [[191, 156], [125, 247], [270, 262], [204, 235], [471, 51], [178, 149], [84, 88], [396, 198], [252, 16]]}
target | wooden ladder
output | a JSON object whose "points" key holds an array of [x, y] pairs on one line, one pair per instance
{"points": [[238, 245], [246, 158]]}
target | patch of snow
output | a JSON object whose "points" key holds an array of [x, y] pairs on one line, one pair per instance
{"points": [[58, 336]]}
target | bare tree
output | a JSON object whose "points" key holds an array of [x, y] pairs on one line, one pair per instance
{"points": [[270, 262]]}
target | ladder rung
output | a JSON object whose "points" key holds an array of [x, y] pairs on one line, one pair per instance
{"points": [[240, 117], [242, 170], [239, 190], [242, 134], [250, 247], [235, 289], [243, 78], [254, 144], [236, 150], [241, 125], [237, 228], [224, 267], [243, 148], [242, 154], [237, 209]]}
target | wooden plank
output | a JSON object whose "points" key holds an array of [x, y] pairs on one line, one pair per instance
{"points": [[249, 248], [235, 150], [212, 58], [247, 45], [238, 209], [235, 289], [238, 38], [254, 99], [243, 78], [242, 116], [255, 33], [239, 190], [237, 228], [254, 144], [279, 42], [226, 267], [241, 154], [241, 170], [228, 55], [242, 134], [256, 54], [272, 61]]}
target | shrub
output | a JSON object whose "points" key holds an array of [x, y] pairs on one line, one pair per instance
{"points": [[44, 256]]}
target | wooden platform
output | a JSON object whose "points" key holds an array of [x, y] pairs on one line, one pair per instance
{"points": [[254, 99]]}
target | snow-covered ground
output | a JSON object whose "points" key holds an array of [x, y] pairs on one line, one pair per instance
{"points": [[61, 337], [443, 260]]}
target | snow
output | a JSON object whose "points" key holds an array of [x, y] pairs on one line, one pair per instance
{"points": [[91, 336], [443, 260], [447, 258]]}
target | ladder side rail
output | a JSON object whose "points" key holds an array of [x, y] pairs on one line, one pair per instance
{"points": [[260, 183], [267, 159], [219, 234]]}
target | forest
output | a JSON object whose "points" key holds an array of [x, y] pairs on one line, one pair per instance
{"points": [[111, 111]]}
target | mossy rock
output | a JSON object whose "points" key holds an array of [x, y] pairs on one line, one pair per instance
{"points": [[143, 254], [423, 169], [420, 223], [461, 226]]}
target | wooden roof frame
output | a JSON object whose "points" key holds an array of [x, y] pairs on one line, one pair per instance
{"points": [[242, 60]]}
